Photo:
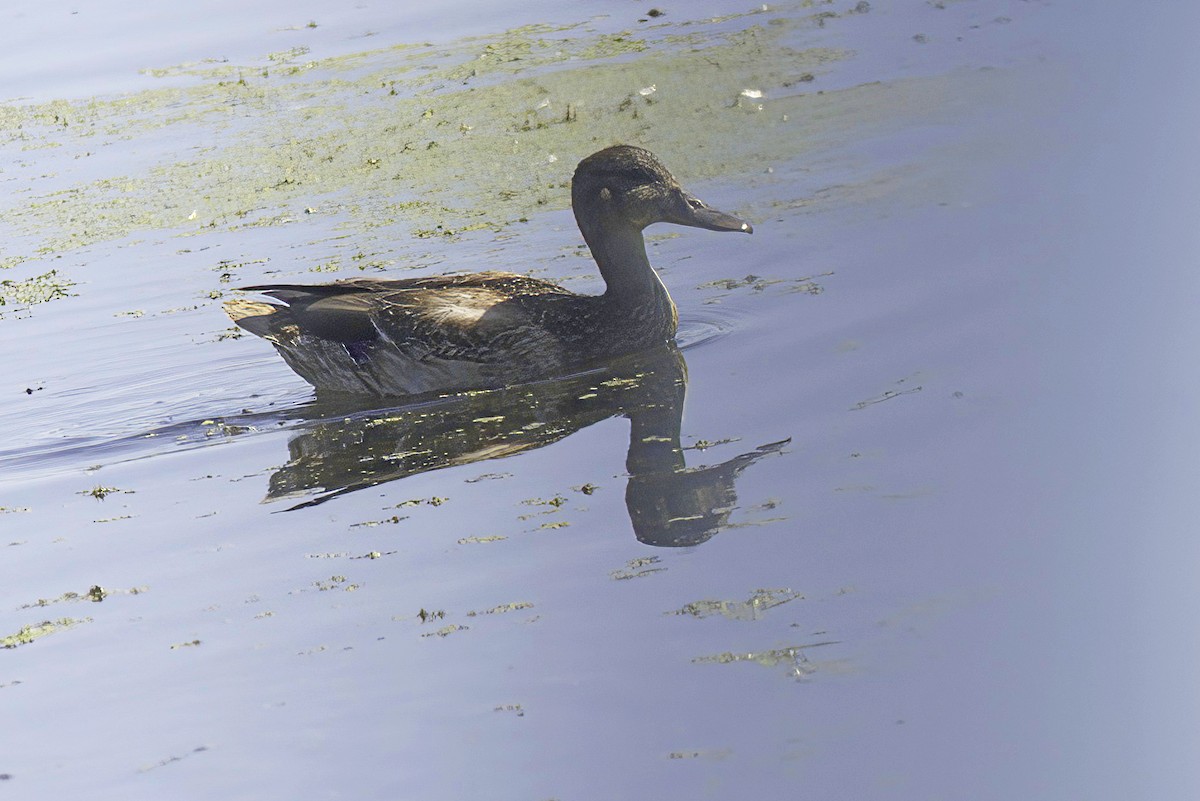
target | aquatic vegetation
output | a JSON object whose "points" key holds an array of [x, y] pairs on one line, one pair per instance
{"points": [[807, 285], [556, 501], [94, 594], [434, 501], [499, 610], [101, 492], [487, 477], [385, 521], [446, 631], [750, 609], [374, 555], [27, 634], [705, 444], [638, 568], [335, 583], [794, 657], [19, 295], [426, 119]]}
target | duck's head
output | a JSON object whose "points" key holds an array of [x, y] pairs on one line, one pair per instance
{"points": [[626, 184]]}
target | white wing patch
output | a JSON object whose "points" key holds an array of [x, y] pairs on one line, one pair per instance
{"points": [[458, 309]]}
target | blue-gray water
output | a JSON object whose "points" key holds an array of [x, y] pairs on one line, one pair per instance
{"points": [[968, 302]]}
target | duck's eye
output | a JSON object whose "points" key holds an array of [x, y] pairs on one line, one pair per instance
{"points": [[696, 203]]}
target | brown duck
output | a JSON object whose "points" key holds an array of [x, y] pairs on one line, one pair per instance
{"points": [[491, 329]]}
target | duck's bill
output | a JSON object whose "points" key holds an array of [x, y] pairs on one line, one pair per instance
{"points": [[702, 216]]}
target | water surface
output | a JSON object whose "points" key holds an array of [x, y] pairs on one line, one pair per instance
{"points": [[929, 533]]}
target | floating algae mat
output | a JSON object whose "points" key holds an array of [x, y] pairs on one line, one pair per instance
{"points": [[417, 140]]}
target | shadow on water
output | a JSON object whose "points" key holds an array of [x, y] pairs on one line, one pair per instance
{"points": [[669, 503]]}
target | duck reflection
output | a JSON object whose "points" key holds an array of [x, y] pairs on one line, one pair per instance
{"points": [[669, 503]]}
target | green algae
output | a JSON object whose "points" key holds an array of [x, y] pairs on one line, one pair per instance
{"points": [[435, 500], [425, 615], [94, 594], [375, 555], [419, 143], [19, 295], [515, 606], [446, 631], [638, 568], [385, 521], [555, 502], [336, 583], [791, 655], [100, 492], [750, 609], [436, 141], [27, 634]]}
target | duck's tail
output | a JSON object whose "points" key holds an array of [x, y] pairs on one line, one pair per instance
{"points": [[266, 320]]}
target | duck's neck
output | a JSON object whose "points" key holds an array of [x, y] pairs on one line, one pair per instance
{"points": [[620, 253]]}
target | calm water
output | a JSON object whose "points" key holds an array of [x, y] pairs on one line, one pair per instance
{"points": [[932, 534]]}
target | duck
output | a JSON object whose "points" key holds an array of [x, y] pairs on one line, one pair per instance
{"points": [[485, 330]]}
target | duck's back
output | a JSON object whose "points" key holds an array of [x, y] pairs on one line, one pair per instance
{"points": [[399, 337]]}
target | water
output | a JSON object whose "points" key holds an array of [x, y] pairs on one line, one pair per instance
{"points": [[933, 537]]}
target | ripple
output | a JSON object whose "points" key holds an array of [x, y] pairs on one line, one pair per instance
{"points": [[114, 422], [707, 324], [139, 413]]}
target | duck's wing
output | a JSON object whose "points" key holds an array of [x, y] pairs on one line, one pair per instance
{"points": [[510, 284], [413, 335], [454, 316]]}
